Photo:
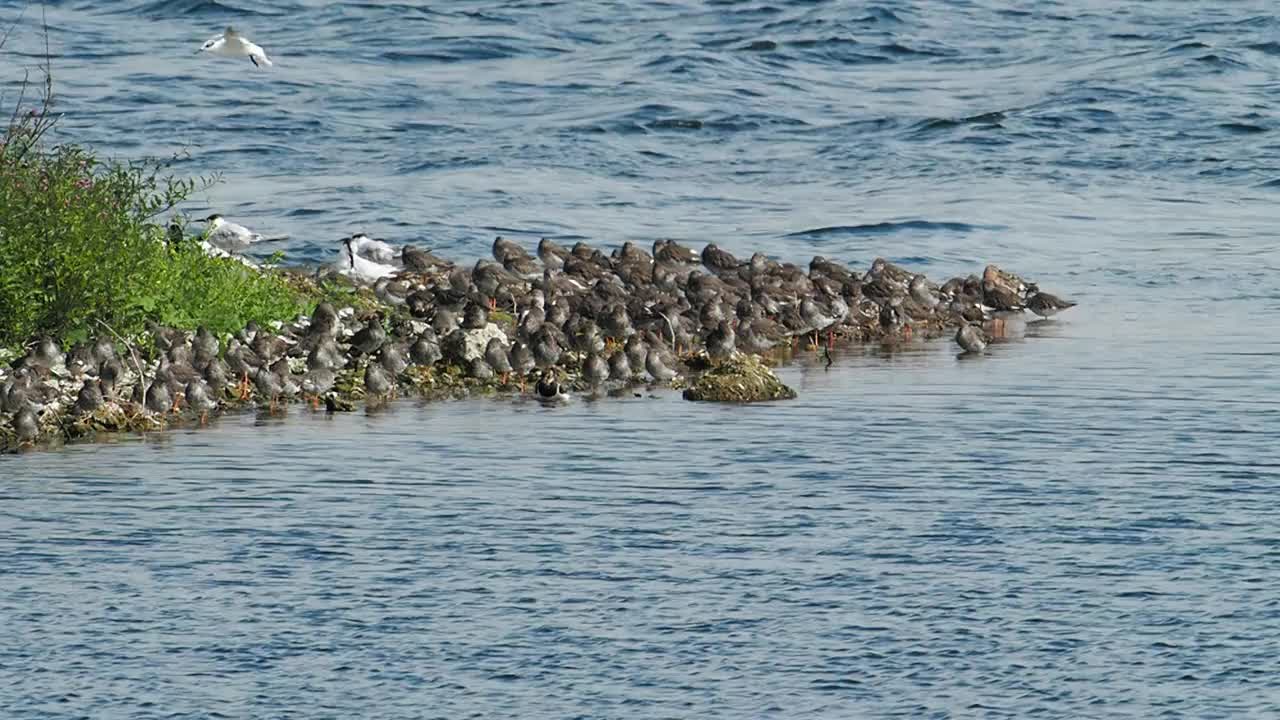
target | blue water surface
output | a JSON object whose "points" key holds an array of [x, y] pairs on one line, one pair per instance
{"points": [[1082, 524]]}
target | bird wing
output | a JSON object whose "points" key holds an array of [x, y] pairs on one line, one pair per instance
{"points": [[258, 57], [232, 237]]}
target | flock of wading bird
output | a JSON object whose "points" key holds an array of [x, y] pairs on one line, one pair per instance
{"points": [[569, 318]]}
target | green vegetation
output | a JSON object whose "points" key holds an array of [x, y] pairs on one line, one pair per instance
{"points": [[81, 244], [739, 379]]}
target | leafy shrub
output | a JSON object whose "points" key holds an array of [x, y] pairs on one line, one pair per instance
{"points": [[78, 245]]}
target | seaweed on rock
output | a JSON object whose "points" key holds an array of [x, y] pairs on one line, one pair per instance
{"points": [[741, 378]]}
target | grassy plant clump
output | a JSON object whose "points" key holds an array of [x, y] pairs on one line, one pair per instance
{"points": [[740, 379], [80, 244]]}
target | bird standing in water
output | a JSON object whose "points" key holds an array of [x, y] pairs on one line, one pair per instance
{"points": [[1046, 305], [970, 338]]}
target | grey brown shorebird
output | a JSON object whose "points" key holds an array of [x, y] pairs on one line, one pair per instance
{"points": [[595, 370], [109, 373], [546, 349], [200, 400], [421, 261], [392, 357], [158, 400], [46, 354], [80, 358], [269, 386], [369, 338], [377, 384], [204, 347], [215, 373], [922, 293], [425, 350], [552, 254], [721, 342], [656, 366], [243, 363], [636, 350], [815, 319], [971, 338], [15, 394], [1046, 305], [619, 366], [104, 350], [495, 354], [719, 260], [478, 369], [26, 425], [475, 316], [522, 361], [316, 382], [89, 398], [670, 251]]}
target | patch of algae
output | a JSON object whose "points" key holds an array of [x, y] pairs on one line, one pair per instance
{"points": [[115, 418], [740, 379]]}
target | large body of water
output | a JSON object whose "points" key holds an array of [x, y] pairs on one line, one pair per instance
{"points": [[1082, 524]]}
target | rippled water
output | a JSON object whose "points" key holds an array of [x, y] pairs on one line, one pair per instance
{"points": [[1079, 525]]}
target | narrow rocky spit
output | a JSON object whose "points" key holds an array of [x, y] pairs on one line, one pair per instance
{"points": [[570, 321]]}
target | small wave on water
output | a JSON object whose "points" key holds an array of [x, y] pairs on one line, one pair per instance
{"points": [[913, 527], [889, 228], [164, 9]]}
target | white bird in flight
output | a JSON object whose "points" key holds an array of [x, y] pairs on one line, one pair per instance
{"points": [[233, 238], [234, 45]]}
